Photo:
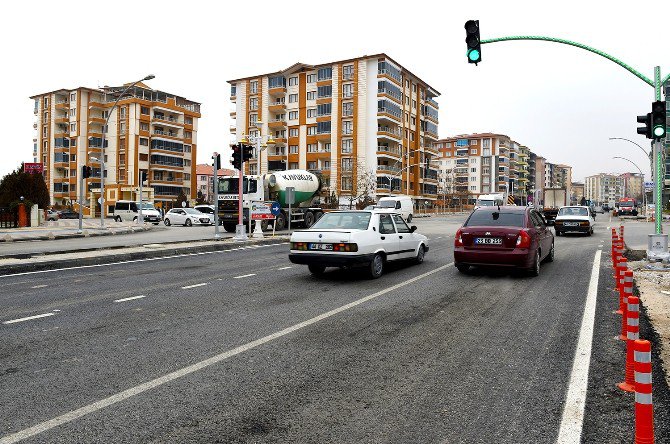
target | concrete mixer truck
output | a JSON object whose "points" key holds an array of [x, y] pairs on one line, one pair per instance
{"points": [[271, 187]]}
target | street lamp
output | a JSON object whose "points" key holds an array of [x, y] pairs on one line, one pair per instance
{"points": [[644, 192], [102, 148], [627, 140]]}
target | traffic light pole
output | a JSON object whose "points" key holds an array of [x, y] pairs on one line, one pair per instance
{"points": [[81, 199], [217, 235], [241, 234], [140, 218]]}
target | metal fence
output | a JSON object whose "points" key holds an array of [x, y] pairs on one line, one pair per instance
{"points": [[9, 218]]}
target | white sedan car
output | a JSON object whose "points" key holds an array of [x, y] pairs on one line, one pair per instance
{"points": [[574, 219], [346, 238], [187, 217]]}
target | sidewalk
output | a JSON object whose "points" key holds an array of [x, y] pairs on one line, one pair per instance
{"points": [[64, 229]]}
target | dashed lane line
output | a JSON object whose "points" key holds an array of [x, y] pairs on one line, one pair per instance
{"points": [[14, 321], [283, 268], [194, 285], [130, 298], [138, 389], [40, 286], [244, 276]]}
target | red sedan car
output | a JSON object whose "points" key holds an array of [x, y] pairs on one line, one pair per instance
{"points": [[506, 237]]}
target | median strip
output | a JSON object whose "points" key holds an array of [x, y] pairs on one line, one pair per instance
{"points": [[14, 321]]}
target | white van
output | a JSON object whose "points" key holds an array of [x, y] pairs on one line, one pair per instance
{"points": [[403, 204], [489, 200], [127, 211]]}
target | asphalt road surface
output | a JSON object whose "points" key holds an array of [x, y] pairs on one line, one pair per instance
{"points": [[243, 346]]}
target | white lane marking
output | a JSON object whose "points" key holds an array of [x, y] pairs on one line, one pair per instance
{"points": [[130, 298], [193, 286], [14, 321], [439, 237], [244, 276], [129, 262], [283, 268], [133, 391], [40, 286], [572, 421]]}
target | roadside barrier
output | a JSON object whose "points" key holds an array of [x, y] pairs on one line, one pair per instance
{"points": [[621, 267], [621, 235], [625, 295], [633, 334], [644, 410]]}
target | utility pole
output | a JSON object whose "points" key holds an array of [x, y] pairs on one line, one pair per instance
{"points": [[217, 162]]}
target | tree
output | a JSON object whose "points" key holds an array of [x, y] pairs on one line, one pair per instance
{"points": [[363, 193], [19, 184], [200, 199], [181, 198]]}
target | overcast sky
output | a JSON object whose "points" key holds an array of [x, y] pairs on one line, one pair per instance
{"points": [[562, 102]]}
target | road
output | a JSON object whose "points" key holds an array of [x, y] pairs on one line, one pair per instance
{"points": [[243, 346]]}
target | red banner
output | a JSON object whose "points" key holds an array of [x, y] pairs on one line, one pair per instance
{"points": [[33, 168]]}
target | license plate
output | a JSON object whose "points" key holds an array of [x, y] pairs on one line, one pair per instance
{"points": [[571, 224], [328, 247], [488, 240]]}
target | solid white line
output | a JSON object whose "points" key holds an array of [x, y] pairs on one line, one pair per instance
{"points": [[244, 276], [130, 298], [133, 391], [283, 268], [130, 262], [13, 321], [40, 286], [193, 286], [573, 410]]}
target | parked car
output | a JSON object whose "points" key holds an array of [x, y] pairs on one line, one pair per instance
{"points": [[349, 238], [128, 211], [504, 237], [52, 215], [574, 219], [402, 204], [187, 217], [68, 214], [204, 208]]}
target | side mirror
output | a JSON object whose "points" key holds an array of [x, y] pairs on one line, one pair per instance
{"points": [[412, 229]]}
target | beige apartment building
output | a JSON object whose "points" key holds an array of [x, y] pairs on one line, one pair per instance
{"points": [[149, 131], [361, 122], [604, 188]]}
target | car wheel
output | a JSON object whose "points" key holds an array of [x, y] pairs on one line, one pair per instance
{"points": [[409, 218], [134, 220], [309, 219], [316, 269], [420, 255], [376, 267], [535, 269], [167, 222], [188, 223], [550, 256], [558, 233], [590, 231], [463, 268], [229, 228], [117, 218], [280, 222]]}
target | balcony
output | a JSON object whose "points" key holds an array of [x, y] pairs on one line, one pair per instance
{"points": [[388, 151], [97, 120], [277, 90], [168, 120], [64, 120], [277, 107], [432, 103], [389, 168], [388, 113], [96, 103], [277, 123], [389, 132], [171, 134], [233, 129], [62, 104]]}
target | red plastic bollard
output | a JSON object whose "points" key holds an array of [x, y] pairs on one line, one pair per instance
{"points": [[644, 409], [621, 234], [626, 293], [621, 267], [633, 333]]}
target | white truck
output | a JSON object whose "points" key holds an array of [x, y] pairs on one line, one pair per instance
{"points": [[553, 200], [271, 187], [490, 200]]}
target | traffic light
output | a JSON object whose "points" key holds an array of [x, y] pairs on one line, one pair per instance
{"points": [[473, 41], [85, 171], [247, 152], [658, 119], [236, 160], [217, 161], [646, 129]]}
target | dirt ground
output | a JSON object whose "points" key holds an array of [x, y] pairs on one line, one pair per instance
{"points": [[654, 286]]}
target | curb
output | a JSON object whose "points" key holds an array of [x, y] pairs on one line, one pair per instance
{"points": [[6, 270], [51, 236]]}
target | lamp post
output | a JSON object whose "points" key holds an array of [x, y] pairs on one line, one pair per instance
{"points": [[644, 193], [260, 142], [102, 148]]}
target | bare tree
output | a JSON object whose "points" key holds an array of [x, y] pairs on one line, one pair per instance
{"points": [[446, 187], [363, 193]]}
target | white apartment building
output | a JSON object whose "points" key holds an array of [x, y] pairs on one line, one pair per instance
{"points": [[356, 121], [604, 188]]}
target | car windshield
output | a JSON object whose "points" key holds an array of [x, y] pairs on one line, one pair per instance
{"points": [[625, 204], [485, 203], [147, 206], [191, 211], [386, 204], [357, 220], [573, 211], [495, 219]]}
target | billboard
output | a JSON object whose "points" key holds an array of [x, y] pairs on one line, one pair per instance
{"points": [[33, 168]]}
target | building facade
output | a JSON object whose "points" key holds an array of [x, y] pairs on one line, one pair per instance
{"points": [[205, 181], [633, 185], [362, 123], [577, 193], [149, 131], [604, 188]]}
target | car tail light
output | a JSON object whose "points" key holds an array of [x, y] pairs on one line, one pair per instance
{"points": [[345, 247], [298, 245], [523, 241], [458, 240], [584, 224]]}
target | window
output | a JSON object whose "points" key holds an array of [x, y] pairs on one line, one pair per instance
{"points": [[46, 102], [253, 87], [311, 112], [123, 112], [311, 130], [292, 81], [188, 120], [473, 178], [253, 118], [324, 91], [486, 143], [144, 126], [347, 109], [347, 146], [386, 224], [323, 127], [73, 127], [73, 111], [311, 95], [253, 103], [292, 98], [348, 72], [473, 170], [348, 90], [293, 149], [413, 120], [347, 183], [326, 164], [347, 127], [311, 165], [144, 157], [473, 187], [323, 109], [293, 165], [73, 97], [311, 78], [311, 147], [325, 74], [473, 151], [486, 151], [473, 142], [347, 164], [326, 147], [280, 134], [293, 132], [473, 160], [293, 115], [414, 104], [400, 224], [144, 110], [73, 142]]}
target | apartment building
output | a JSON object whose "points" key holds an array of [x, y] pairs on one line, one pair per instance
{"points": [[205, 180], [577, 193], [633, 185], [149, 131], [361, 122], [604, 188]]}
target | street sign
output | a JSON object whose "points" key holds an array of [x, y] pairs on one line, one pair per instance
{"points": [[261, 210], [275, 208], [33, 168], [290, 195], [648, 187]]}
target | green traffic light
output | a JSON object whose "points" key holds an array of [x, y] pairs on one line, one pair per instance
{"points": [[473, 54], [659, 131]]}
